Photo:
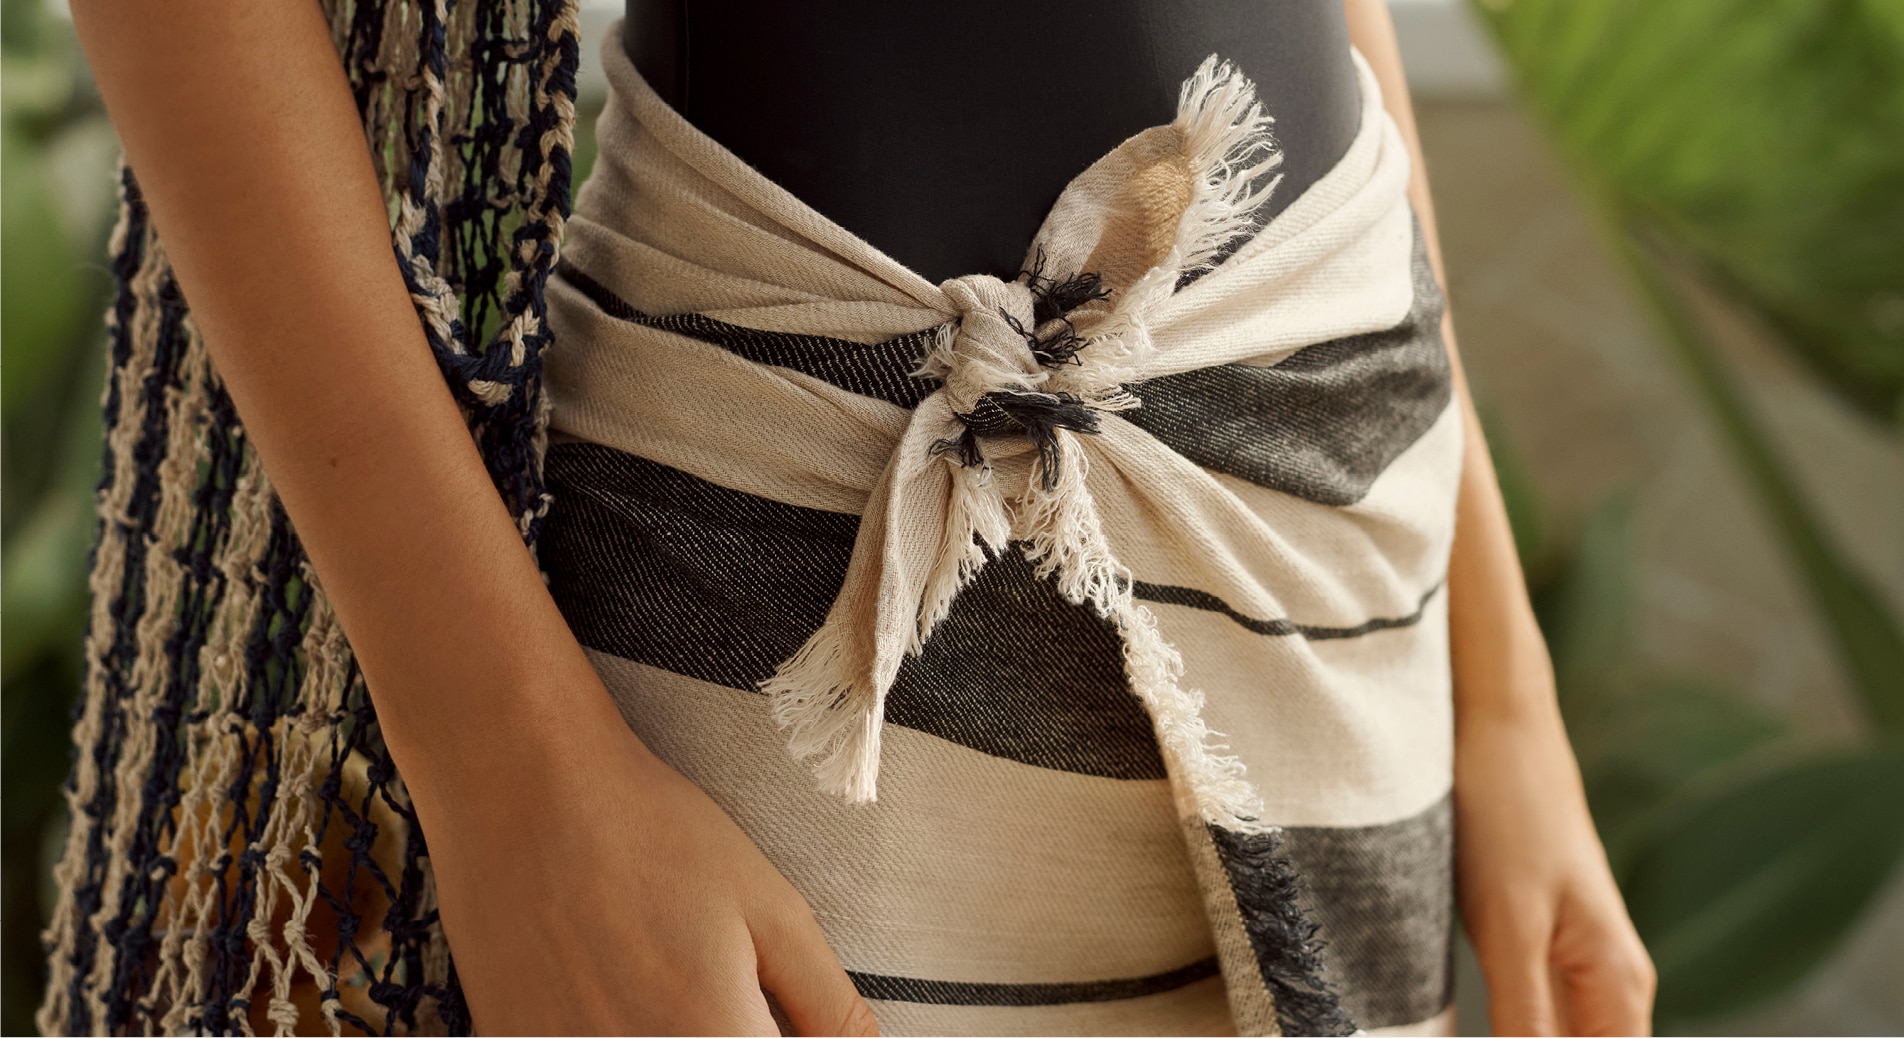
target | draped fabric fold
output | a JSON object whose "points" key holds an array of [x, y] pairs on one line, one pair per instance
{"points": [[713, 324], [1001, 447]]}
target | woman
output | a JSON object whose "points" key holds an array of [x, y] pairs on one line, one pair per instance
{"points": [[541, 804]]}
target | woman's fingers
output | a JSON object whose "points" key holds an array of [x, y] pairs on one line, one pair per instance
{"points": [[803, 976], [1607, 977], [1514, 956]]}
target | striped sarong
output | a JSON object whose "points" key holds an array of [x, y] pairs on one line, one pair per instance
{"points": [[1075, 643]]}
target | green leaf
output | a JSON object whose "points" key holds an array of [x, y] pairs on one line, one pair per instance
{"points": [[43, 582], [1519, 492], [1655, 741], [1588, 610], [1766, 136], [1870, 642], [42, 301], [1747, 888]]}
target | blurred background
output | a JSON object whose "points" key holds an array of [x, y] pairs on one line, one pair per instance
{"points": [[1675, 239]]}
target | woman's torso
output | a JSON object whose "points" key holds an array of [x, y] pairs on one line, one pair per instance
{"points": [[942, 133]]}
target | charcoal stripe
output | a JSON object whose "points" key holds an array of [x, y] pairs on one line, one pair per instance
{"points": [[881, 369], [657, 566], [960, 993], [654, 565], [1169, 594], [1268, 888], [1380, 899], [1322, 424]]}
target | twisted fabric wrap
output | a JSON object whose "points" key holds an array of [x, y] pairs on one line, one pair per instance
{"points": [[1177, 425], [1011, 439]]}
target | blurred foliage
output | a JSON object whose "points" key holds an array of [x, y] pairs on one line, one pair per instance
{"points": [[1752, 151], [1745, 855], [1766, 137], [1755, 148], [57, 152]]}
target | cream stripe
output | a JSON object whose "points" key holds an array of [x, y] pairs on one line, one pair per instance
{"points": [[967, 868], [1272, 555], [1346, 732]]}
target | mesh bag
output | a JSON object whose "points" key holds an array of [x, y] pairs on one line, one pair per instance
{"points": [[242, 855]]}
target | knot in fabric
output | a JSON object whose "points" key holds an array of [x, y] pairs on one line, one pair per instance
{"points": [[985, 349], [993, 362], [1033, 368]]}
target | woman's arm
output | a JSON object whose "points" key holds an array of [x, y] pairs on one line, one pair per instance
{"points": [[1537, 896], [584, 885]]}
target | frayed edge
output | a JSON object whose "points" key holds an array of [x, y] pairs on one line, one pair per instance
{"points": [[1065, 537], [1288, 955], [828, 712], [1216, 780], [976, 528], [1228, 140]]}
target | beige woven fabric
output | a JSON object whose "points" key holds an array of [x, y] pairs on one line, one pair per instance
{"points": [[738, 248], [1288, 646]]}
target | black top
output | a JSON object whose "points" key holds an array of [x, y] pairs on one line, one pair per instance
{"points": [[942, 133]]}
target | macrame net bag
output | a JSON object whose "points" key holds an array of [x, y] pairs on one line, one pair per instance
{"points": [[242, 856]]}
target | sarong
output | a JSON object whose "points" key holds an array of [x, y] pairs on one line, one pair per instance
{"points": [[1074, 642]]}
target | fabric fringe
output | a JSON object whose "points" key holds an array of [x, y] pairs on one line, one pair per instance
{"points": [[1064, 538], [830, 711], [1016, 344], [1229, 141], [1285, 939], [240, 852]]}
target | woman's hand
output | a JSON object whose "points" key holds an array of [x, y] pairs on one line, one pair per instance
{"points": [[1553, 936], [589, 888], [1537, 897]]}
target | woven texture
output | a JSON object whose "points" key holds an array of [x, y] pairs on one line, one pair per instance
{"points": [[1072, 639], [241, 855]]}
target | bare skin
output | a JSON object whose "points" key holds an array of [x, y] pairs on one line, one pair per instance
{"points": [[1537, 896], [585, 885]]}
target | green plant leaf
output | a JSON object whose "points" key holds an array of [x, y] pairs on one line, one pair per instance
{"points": [[1656, 741], [1589, 608], [1519, 493], [1744, 889], [1766, 136], [1870, 642], [42, 302], [43, 582]]}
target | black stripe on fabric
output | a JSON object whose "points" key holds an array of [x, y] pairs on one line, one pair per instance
{"points": [[881, 370], [654, 565], [1267, 888], [960, 993], [1280, 627], [1373, 904], [1323, 423]]}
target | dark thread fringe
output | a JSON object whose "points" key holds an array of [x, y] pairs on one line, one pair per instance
{"points": [[1037, 416], [498, 228], [1268, 891], [1054, 339]]}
